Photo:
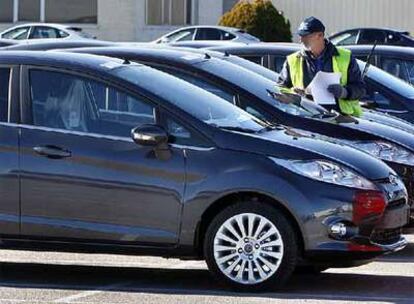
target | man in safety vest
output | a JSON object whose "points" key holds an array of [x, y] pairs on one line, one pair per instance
{"points": [[318, 54]]}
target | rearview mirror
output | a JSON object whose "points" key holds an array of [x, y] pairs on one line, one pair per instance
{"points": [[150, 135]]}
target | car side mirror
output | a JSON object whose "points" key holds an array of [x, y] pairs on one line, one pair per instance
{"points": [[150, 135]]}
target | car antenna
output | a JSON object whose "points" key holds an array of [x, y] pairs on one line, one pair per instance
{"points": [[368, 60], [126, 61], [207, 56], [226, 54]]}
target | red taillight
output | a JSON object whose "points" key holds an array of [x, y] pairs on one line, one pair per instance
{"points": [[368, 205]]}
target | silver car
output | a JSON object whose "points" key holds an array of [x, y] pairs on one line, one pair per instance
{"points": [[44, 31], [200, 33]]}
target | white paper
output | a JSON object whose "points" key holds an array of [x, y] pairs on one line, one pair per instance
{"points": [[319, 87]]}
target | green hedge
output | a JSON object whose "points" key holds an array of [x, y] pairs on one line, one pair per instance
{"points": [[259, 18]]}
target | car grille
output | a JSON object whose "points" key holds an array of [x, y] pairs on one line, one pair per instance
{"points": [[386, 236]]}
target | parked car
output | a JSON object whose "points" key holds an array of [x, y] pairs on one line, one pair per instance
{"points": [[396, 60], [45, 31], [372, 35], [258, 96], [44, 45], [385, 93], [210, 33], [100, 156], [203, 44]]}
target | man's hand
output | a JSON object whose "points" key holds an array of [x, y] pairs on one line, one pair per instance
{"points": [[299, 91], [338, 91]]}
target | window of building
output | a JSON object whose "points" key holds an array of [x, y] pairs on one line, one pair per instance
{"points": [[29, 10], [6, 11], [168, 12], [74, 11], [59, 11]]}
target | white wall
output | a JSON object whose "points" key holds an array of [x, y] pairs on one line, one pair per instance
{"points": [[338, 15]]}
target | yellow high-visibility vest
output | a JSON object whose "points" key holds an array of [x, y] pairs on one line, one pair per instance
{"points": [[340, 65]]}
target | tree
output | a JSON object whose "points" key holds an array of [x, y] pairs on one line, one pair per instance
{"points": [[259, 18]]}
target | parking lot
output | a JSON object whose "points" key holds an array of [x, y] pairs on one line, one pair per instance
{"points": [[39, 277]]}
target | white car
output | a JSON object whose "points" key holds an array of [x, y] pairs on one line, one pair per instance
{"points": [[44, 31], [209, 33]]}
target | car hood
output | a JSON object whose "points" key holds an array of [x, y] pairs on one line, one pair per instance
{"points": [[389, 120], [384, 132], [292, 144]]}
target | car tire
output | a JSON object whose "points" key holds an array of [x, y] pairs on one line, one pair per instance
{"points": [[262, 256]]}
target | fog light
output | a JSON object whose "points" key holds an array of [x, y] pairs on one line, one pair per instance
{"points": [[338, 229], [342, 230]]}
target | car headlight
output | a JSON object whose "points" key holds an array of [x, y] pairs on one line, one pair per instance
{"points": [[385, 151], [326, 171]]}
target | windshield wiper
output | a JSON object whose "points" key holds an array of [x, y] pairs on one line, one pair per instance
{"points": [[324, 115]]}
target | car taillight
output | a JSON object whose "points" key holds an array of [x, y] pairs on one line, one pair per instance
{"points": [[368, 205]]}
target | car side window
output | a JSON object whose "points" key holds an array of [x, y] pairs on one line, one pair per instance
{"points": [[345, 38], [202, 83], [410, 70], [227, 36], [254, 59], [20, 33], [372, 36], [4, 93], [181, 135], [62, 34], [208, 34], [395, 67], [65, 101], [278, 63], [381, 101], [184, 35], [44, 32]]}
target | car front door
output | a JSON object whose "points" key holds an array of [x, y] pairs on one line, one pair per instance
{"points": [[83, 178], [9, 156]]}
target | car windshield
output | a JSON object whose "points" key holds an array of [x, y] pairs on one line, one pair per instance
{"points": [[263, 89], [387, 80], [195, 101]]}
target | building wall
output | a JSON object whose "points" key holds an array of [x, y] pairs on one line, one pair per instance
{"points": [[338, 15], [124, 20]]}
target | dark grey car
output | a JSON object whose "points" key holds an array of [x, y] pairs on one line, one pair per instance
{"points": [[102, 155]]}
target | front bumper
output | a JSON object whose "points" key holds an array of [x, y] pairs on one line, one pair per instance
{"points": [[372, 237]]}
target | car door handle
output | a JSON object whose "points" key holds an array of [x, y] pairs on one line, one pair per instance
{"points": [[52, 152]]}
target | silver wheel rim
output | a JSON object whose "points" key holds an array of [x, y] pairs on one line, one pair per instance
{"points": [[248, 248]]}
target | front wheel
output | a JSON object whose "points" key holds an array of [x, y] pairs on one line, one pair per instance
{"points": [[251, 246]]}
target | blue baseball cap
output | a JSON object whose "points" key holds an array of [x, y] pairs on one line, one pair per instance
{"points": [[310, 25]]}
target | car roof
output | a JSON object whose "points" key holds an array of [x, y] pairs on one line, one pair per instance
{"points": [[383, 49], [371, 28], [57, 25], [168, 54], [50, 43], [82, 62], [227, 28], [256, 48]]}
